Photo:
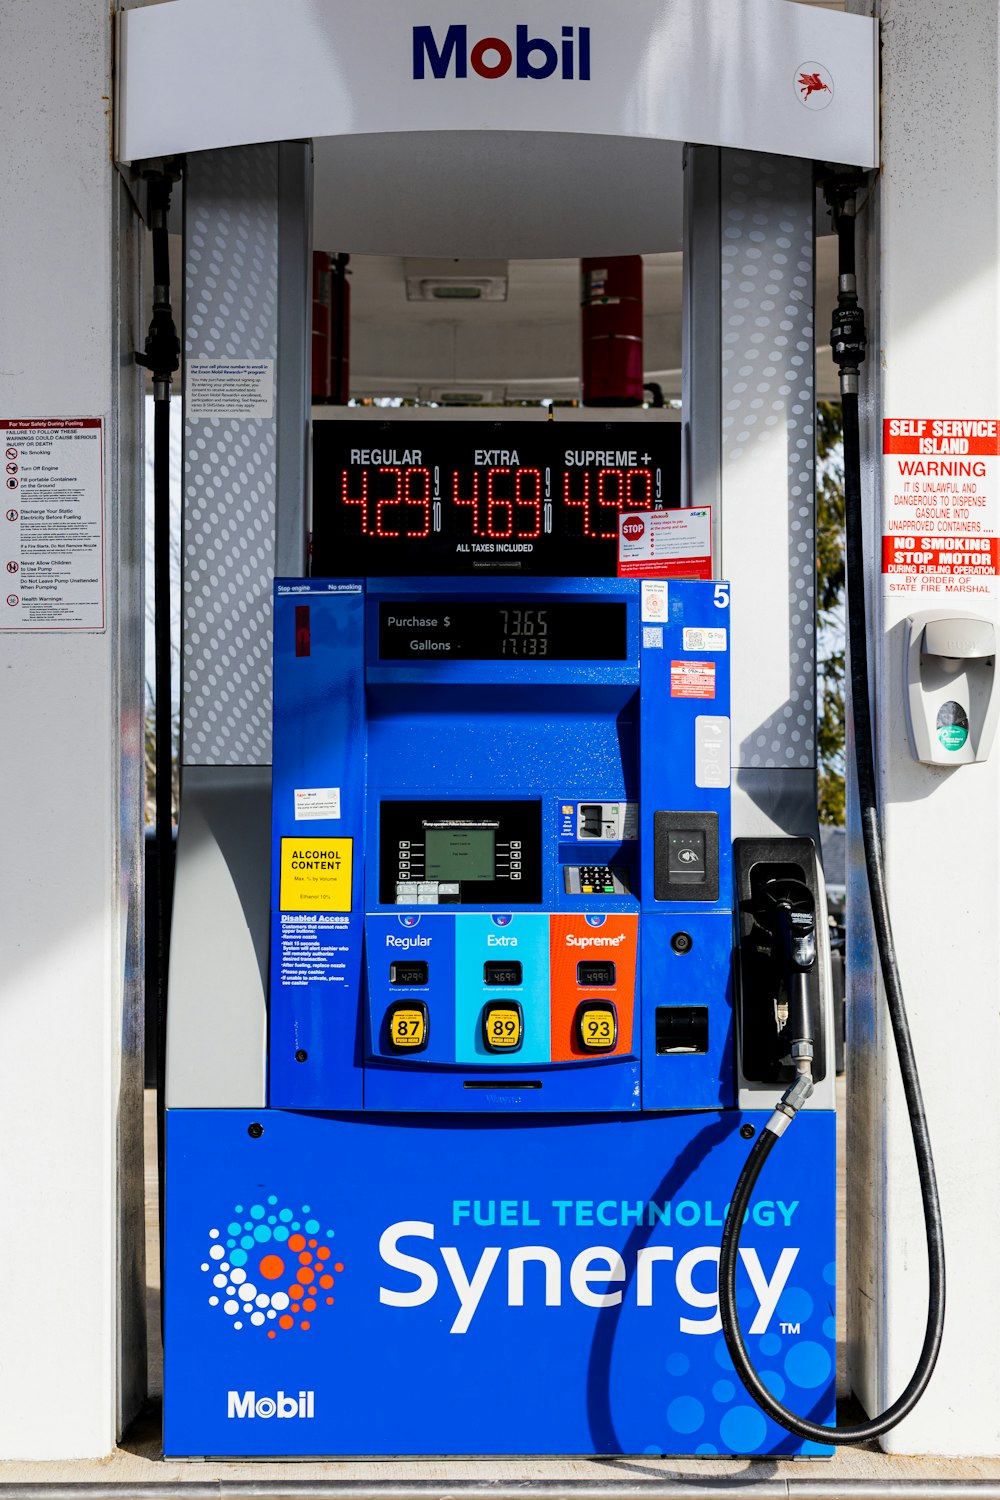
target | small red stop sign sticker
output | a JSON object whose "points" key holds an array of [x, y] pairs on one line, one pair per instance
{"points": [[633, 528]]}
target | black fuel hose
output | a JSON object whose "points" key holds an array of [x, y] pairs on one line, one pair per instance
{"points": [[850, 321]]}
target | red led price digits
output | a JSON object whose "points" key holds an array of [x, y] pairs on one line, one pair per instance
{"points": [[617, 489], [404, 482], [527, 478], [359, 500], [494, 504], [472, 501], [501, 520]]}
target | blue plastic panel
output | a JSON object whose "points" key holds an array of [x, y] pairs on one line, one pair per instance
{"points": [[315, 1052], [586, 1255], [552, 732]]}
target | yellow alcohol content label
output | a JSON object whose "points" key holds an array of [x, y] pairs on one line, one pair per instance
{"points": [[316, 874], [597, 1028], [408, 1028], [502, 1028]]}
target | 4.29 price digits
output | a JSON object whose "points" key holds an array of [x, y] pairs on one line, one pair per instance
{"points": [[411, 491]]}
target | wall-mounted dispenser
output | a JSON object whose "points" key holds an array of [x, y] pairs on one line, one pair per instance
{"points": [[951, 703]]}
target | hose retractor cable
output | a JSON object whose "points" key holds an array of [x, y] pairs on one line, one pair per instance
{"points": [[161, 357], [848, 343]]}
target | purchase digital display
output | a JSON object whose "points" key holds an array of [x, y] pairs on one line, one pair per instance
{"points": [[457, 498], [501, 630]]}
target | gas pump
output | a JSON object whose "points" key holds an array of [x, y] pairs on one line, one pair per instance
{"points": [[509, 1060]]}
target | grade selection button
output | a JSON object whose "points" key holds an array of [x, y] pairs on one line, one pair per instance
{"points": [[597, 1026], [408, 1026], [503, 1026]]}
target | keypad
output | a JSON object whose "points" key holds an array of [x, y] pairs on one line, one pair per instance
{"points": [[596, 880]]}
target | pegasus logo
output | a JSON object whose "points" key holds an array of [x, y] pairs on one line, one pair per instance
{"points": [[812, 83]]}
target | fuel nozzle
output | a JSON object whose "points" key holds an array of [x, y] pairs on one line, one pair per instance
{"points": [[785, 927]]}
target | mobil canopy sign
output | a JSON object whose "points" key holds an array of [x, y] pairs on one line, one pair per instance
{"points": [[451, 53], [706, 71]]}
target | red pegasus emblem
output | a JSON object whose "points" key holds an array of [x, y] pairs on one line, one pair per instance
{"points": [[812, 83]]}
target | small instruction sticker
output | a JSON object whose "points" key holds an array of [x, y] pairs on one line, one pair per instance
{"points": [[654, 602], [652, 636], [316, 874], [229, 388], [316, 802], [665, 543], [711, 751], [712, 639], [52, 525], [692, 679]]}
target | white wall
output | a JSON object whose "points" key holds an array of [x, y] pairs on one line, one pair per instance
{"points": [[932, 297], [70, 777]]}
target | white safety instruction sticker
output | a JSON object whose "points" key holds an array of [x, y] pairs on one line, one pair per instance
{"points": [[711, 750], [665, 543], [940, 506], [52, 534], [312, 802], [229, 388]]}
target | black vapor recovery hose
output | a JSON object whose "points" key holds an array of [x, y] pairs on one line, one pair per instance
{"points": [[848, 342]]}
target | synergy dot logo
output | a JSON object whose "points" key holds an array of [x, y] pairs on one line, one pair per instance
{"points": [[271, 1268], [408, 921]]}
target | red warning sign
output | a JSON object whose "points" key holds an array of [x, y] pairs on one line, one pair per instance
{"points": [[692, 679], [940, 505]]}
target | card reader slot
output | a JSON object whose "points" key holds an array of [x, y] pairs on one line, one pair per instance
{"points": [[502, 1083]]}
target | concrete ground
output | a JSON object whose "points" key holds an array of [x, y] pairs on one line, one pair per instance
{"points": [[139, 1458]]}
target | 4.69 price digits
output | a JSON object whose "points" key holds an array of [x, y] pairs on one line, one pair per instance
{"points": [[498, 516]]}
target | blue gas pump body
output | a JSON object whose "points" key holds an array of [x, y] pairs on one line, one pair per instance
{"points": [[481, 1212]]}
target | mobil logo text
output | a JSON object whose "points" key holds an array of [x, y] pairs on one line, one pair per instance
{"points": [[526, 56]]}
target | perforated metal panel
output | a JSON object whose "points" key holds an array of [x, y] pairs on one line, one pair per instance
{"points": [[247, 279], [230, 465], [767, 421]]}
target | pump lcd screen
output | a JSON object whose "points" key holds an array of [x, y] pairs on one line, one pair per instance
{"points": [[459, 854], [501, 630], [460, 498]]}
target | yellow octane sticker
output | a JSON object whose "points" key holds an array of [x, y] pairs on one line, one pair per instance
{"points": [[502, 1030], [406, 1028], [597, 1030], [316, 874]]}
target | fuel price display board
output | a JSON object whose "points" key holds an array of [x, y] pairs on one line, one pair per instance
{"points": [[461, 498]]}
